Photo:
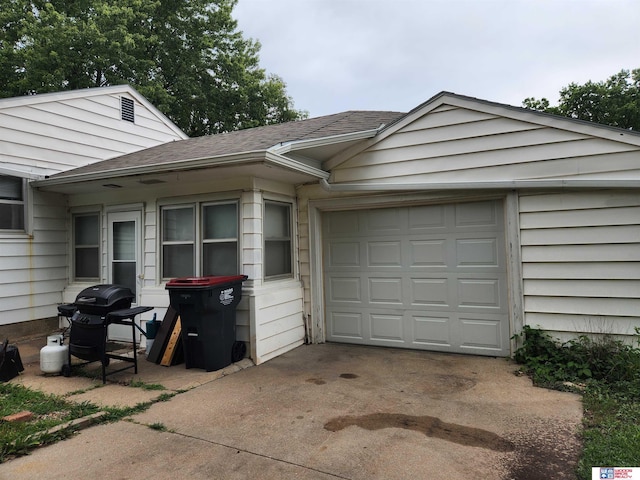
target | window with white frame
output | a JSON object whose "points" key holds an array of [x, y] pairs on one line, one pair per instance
{"points": [[277, 239], [200, 239], [11, 203], [178, 241], [86, 246]]}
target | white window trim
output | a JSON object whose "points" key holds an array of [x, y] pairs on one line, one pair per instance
{"points": [[293, 227], [198, 201], [27, 211], [86, 209]]}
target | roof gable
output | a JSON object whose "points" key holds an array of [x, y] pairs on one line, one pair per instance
{"points": [[48, 133], [453, 139]]}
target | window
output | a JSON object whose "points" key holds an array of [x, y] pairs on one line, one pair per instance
{"points": [[220, 239], [277, 239], [86, 246], [178, 241], [11, 203], [215, 252]]}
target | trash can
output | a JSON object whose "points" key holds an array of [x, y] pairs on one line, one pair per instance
{"points": [[207, 309]]}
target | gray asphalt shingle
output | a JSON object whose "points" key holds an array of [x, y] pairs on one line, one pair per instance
{"points": [[253, 139]]}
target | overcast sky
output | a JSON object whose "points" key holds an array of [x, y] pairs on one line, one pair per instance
{"points": [[338, 55]]}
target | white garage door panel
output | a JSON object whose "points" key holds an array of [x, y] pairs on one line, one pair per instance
{"points": [[426, 277]]}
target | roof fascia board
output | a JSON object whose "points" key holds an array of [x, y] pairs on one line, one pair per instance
{"points": [[11, 172], [497, 185], [545, 119], [191, 164], [294, 145], [181, 165], [294, 165], [66, 95]]}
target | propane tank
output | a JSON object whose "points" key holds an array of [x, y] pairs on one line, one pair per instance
{"points": [[54, 355]]}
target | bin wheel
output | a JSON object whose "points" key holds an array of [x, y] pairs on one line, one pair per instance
{"points": [[238, 351], [66, 370], [106, 361]]}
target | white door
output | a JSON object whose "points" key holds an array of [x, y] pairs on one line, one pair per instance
{"points": [[429, 277], [124, 253]]}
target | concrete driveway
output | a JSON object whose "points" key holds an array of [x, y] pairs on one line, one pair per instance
{"points": [[335, 411]]}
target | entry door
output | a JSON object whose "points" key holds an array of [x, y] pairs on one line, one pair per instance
{"points": [[124, 260]]}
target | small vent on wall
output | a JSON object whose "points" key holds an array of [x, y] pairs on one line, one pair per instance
{"points": [[126, 109]]}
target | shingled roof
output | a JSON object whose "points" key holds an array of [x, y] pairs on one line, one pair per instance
{"points": [[249, 140]]}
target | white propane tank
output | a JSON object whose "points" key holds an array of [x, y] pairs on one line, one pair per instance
{"points": [[54, 356]]}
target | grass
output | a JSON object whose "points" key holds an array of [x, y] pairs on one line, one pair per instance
{"points": [[608, 374], [19, 438]]}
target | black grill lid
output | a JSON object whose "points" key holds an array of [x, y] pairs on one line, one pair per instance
{"points": [[105, 296]]}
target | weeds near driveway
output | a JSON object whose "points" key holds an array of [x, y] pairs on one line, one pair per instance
{"points": [[607, 373], [51, 411], [18, 438]]}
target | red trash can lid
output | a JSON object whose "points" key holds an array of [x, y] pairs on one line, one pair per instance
{"points": [[206, 281]]}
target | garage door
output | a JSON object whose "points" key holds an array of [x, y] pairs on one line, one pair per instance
{"points": [[429, 277]]}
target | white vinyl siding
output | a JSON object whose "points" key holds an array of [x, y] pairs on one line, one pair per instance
{"points": [[276, 315], [581, 261], [34, 269], [51, 133], [454, 144]]}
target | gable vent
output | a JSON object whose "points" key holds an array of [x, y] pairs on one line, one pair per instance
{"points": [[126, 109]]}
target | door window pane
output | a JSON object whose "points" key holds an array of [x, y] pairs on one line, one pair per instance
{"points": [[124, 240], [124, 273]]}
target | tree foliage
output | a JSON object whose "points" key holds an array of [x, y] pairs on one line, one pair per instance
{"points": [[614, 102], [187, 57]]}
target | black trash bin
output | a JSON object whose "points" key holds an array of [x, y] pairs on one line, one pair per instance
{"points": [[207, 309]]}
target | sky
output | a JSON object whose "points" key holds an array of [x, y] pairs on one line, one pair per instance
{"points": [[338, 55]]}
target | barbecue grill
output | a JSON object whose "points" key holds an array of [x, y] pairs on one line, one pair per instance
{"points": [[94, 309]]}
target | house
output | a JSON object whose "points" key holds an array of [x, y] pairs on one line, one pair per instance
{"points": [[447, 228], [45, 134]]}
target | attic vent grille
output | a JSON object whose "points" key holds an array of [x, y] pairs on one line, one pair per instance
{"points": [[126, 109]]}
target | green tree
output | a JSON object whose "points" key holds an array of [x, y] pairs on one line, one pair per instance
{"points": [[186, 56], [614, 102]]}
